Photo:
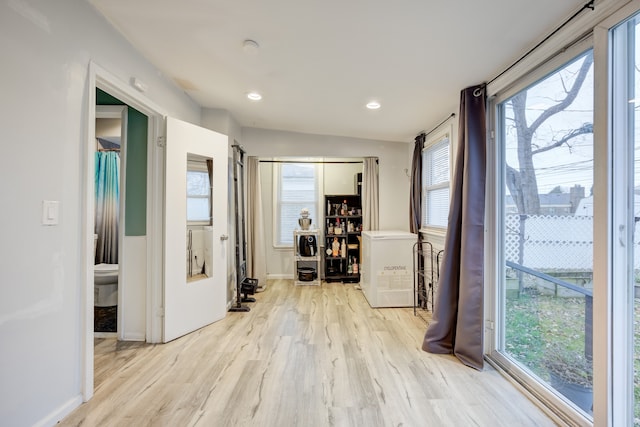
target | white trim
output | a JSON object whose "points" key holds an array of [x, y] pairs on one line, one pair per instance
{"points": [[613, 338], [155, 229], [88, 219], [272, 276], [436, 138], [99, 77], [580, 25], [60, 412], [550, 65], [319, 184], [495, 240]]}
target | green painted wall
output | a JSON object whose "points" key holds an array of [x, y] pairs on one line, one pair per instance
{"points": [[135, 223]]}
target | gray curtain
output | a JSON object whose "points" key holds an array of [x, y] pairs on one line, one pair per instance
{"points": [[256, 253], [370, 205], [457, 325], [415, 199]]}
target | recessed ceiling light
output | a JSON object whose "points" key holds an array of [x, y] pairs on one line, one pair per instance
{"points": [[254, 96], [373, 105]]}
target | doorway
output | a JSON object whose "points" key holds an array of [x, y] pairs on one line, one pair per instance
{"points": [[139, 293]]}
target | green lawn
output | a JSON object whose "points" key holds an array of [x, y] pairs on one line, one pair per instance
{"points": [[536, 322]]}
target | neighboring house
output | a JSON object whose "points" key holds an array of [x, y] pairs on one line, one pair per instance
{"points": [[555, 202]]}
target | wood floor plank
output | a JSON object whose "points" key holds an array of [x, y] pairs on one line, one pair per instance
{"points": [[303, 356]]}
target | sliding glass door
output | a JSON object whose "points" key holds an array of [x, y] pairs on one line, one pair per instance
{"points": [[625, 125], [545, 135]]}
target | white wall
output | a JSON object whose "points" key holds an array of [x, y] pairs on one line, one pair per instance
{"points": [[46, 48], [394, 182]]}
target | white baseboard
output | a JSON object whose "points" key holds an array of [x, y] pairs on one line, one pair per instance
{"points": [[54, 417], [279, 276], [134, 336], [105, 335]]}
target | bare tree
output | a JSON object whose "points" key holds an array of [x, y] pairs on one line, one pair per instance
{"points": [[522, 182]]}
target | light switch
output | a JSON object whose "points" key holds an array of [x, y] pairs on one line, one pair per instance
{"points": [[50, 212]]}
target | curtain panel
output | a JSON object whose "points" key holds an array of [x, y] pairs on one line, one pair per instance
{"points": [[370, 185], [415, 198], [457, 325], [256, 255], [107, 207]]}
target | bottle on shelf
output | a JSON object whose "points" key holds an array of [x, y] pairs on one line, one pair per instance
{"points": [[343, 209], [350, 267], [343, 249], [355, 266]]}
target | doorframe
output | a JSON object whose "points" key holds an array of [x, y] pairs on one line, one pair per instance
{"points": [[101, 78]]}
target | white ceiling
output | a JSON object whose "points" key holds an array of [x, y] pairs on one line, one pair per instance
{"points": [[320, 62]]}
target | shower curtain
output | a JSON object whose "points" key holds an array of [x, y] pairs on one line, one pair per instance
{"points": [[107, 206]]}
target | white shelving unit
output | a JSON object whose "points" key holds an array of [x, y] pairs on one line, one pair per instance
{"points": [[300, 261]]}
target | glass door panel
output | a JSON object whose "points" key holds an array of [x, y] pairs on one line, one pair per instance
{"points": [[547, 227]]}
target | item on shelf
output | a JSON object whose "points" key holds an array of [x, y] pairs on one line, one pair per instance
{"points": [[335, 247], [355, 268], [330, 228], [304, 221], [308, 245], [343, 208], [343, 249], [306, 274], [306, 258]]}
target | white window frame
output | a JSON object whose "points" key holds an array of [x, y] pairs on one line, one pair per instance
{"points": [[611, 392], [444, 136], [493, 244], [615, 343], [318, 219]]}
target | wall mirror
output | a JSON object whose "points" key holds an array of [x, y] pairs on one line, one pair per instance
{"points": [[199, 217]]}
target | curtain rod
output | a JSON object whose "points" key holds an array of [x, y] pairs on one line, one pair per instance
{"points": [[438, 125], [309, 161], [588, 5]]}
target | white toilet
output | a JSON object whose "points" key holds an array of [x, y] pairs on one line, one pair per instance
{"points": [[105, 283]]}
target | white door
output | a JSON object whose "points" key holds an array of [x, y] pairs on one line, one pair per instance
{"points": [[192, 303]]}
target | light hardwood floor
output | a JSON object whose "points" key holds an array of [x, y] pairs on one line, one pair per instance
{"points": [[303, 356]]}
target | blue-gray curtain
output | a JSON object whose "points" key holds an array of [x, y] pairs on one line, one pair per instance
{"points": [[457, 325], [107, 186]]}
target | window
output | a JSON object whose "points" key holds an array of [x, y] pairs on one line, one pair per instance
{"points": [[626, 212], [545, 134], [435, 182], [198, 192], [297, 187]]}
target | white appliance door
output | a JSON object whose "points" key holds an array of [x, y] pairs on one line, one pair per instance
{"points": [[190, 305]]}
